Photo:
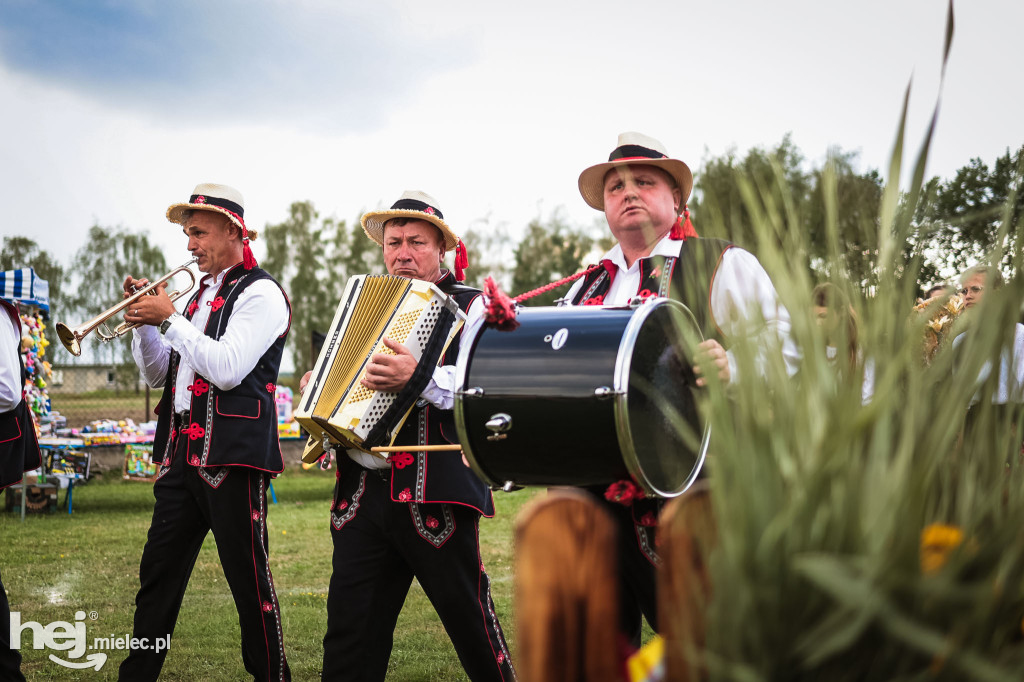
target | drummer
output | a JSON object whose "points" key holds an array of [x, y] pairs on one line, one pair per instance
{"points": [[643, 194]]}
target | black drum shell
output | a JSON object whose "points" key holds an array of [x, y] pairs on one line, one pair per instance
{"points": [[561, 395]]}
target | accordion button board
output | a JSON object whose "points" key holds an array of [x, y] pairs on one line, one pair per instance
{"points": [[336, 409]]}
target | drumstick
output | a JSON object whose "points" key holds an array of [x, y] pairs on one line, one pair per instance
{"points": [[416, 448]]}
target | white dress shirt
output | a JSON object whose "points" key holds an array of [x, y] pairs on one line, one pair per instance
{"points": [[739, 283], [258, 317], [10, 363], [1010, 386]]}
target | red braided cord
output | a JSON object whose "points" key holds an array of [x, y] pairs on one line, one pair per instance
{"points": [[554, 285]]}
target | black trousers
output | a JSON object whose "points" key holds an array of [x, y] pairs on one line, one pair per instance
{"points": [[379, 546], [638, 598], [230, 501], [10, 659]]}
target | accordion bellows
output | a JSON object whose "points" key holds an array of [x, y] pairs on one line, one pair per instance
{"points": [[336, 409]]}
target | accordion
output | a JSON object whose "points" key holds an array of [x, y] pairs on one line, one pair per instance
{"points": [[336, 409]]}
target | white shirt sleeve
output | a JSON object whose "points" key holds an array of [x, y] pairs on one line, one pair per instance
{"points": [[151, 353], [10, 364], [440, 391], [740, 292], [259, 316]]}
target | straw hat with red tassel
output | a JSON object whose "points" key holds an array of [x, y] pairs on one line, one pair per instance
{"points": [[222, 199], [637, 149], [418, 206]]}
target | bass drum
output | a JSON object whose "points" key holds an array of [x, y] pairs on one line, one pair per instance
{"points": [[583, 396]]}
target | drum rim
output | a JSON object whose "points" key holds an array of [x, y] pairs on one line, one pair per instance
{"points": [[621, 388], [470, 335]]}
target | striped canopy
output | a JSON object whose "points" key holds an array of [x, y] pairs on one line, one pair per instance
{"points": [[24, 286]]}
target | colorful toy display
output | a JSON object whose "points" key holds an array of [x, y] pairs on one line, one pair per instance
{"points": [[111, 432], [37, 369], [138, 462]]}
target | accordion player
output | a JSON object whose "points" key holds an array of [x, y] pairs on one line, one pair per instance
{"points": [[336, 409]]}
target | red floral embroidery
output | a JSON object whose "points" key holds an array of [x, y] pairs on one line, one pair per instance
{"points": [[193, 460], [402, 459], [268, 607], [216, 304], [193, 307], [429, 210], [200, 199], [432, 522], [644, 294], [404, 496], [501, 657], [194, 431], [623, 492], [255, 515], [270, 388], [174, 389], [199, 387], [596, 300], [656, 272], [342, 505], [648, 520]]}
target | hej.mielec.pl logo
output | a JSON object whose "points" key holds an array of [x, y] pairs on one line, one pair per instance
{"points": [[71, 638]]}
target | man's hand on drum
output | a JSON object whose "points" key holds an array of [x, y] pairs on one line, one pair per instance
{"points": [[390, 372], [710, 354], [151, 309]]}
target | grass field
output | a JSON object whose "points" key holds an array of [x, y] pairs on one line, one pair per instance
{"points": [[56, 564]]}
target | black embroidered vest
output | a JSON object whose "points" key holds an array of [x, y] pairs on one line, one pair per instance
{"points": [[686, 278], [237, 427]]}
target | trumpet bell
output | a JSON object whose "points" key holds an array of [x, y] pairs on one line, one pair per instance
{"points": [[70, 340]]}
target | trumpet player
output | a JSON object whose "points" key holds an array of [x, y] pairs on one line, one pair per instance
{"points": [[216, 438]]}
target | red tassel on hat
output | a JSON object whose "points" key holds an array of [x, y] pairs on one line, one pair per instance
{"points": [[683, 229], [461, 262], [500, 311], [248, 260]]}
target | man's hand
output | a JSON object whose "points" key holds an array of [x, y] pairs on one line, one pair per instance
{"points": [[711, 354], [390, 372], [152, 309], [304, 380]]}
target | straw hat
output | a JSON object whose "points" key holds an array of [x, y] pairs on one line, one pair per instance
{"points": [[211, 197], [412, 204], [633, 148]]}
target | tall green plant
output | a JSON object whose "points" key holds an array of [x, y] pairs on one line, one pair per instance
{"points": [[822, 500]]}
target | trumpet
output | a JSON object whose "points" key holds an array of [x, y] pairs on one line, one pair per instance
{"points": [[72, 338]]}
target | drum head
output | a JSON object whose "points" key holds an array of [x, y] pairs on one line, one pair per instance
{"points": [[662, 437]]}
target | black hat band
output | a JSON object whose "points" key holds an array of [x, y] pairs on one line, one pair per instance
{"points": [[633, 151], [416, 205], [218, 202]]}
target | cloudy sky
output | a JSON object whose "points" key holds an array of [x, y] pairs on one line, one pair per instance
{"points": [[114, 109]]}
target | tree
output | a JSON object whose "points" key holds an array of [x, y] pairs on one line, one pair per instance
{"points": [[857, 199], [490, 254], [99, 269], [313, 259], [549, 252], [962, 217], [22, 252], [772, 181]]}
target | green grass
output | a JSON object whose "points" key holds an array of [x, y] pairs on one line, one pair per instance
{"points": [[55, 564]]}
